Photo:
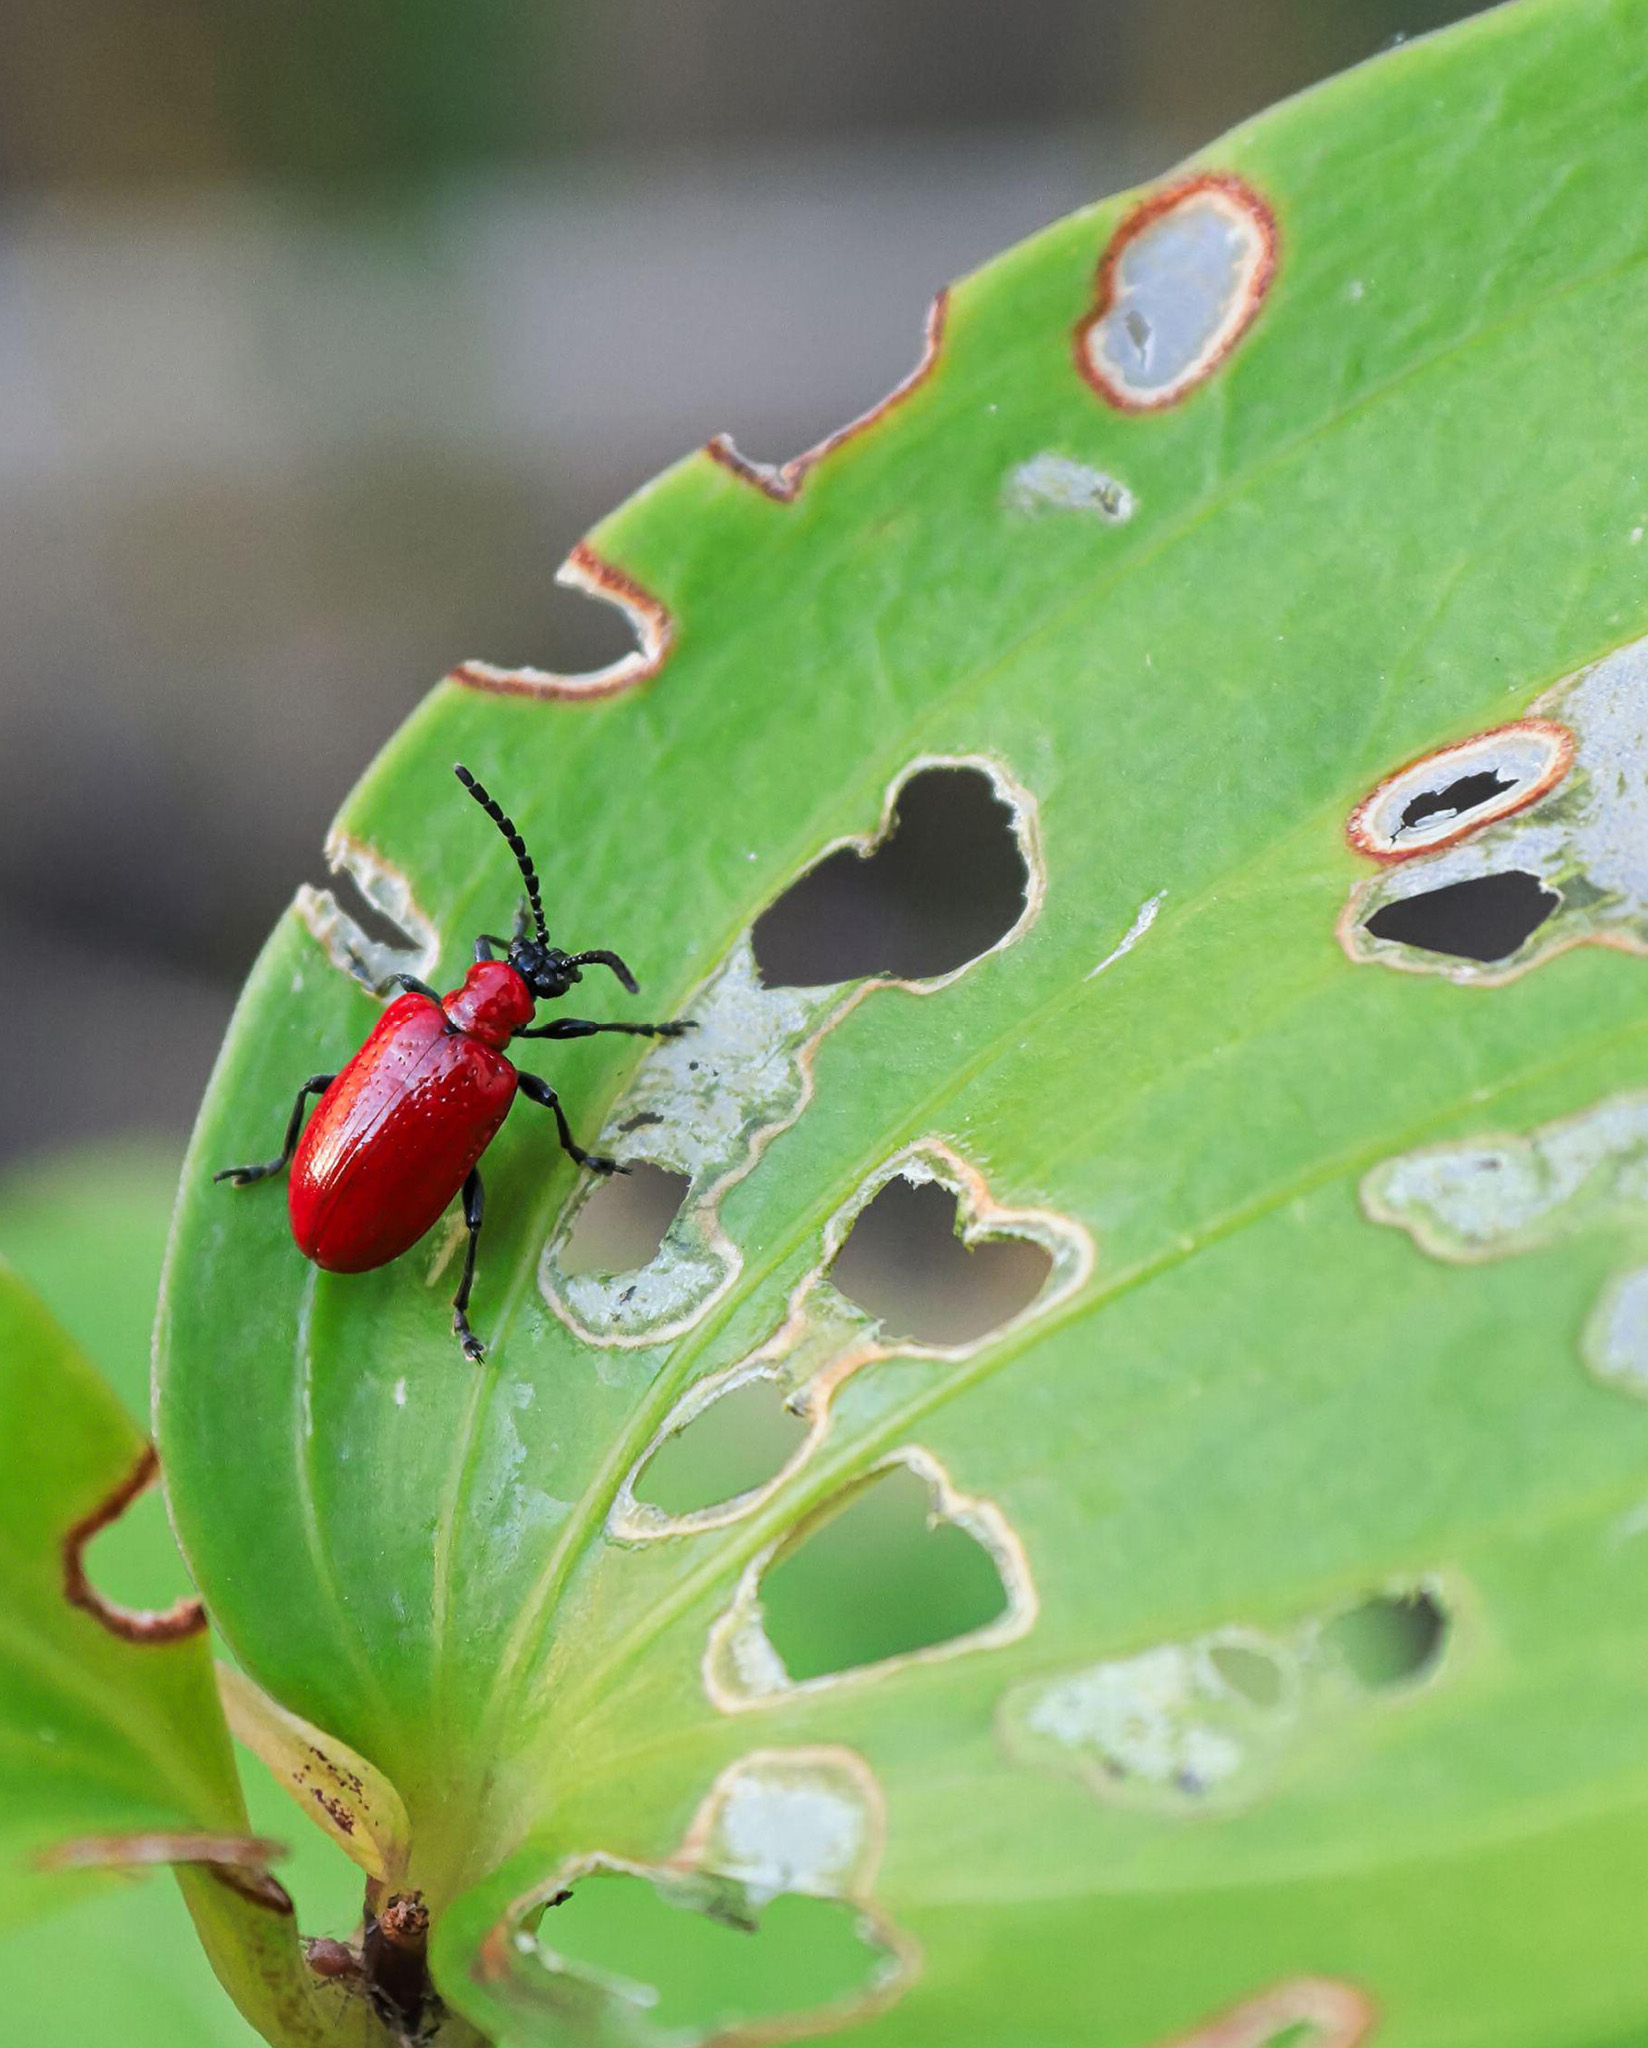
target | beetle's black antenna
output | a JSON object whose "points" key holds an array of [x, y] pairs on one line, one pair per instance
{"points": [[517, 845], [611, 960]]}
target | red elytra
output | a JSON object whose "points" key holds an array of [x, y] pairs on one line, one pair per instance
{"points": [[397, 1132], [401, 1130]]}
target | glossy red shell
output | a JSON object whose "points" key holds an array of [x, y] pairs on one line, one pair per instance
{"points": [[493, 1004], [393, 1137]]}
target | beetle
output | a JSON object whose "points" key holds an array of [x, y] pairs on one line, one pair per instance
{"points": [[401, 1129]]}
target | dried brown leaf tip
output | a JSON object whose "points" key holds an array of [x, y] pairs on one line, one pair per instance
{"points": [[782, 481], [654, 627], [239, 1861], [1179, 284], [334, 1785], [185, 1617]]}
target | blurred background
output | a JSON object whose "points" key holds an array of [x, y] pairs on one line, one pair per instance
{"points": [[327, 328]]}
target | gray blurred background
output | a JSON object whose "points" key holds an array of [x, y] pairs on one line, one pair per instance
{"points": [[327, 327]]}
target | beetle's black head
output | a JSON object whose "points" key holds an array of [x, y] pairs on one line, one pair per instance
{"points": [[546, 970]]}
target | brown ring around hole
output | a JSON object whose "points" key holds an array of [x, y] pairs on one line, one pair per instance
{"points": [[1365, 836], [186, 1617], [1240, 199]]}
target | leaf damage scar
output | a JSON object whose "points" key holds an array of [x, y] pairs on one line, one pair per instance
{"points": [[1496, 1197], [406, 941], [1180, 283], [743, 1669], [827, 1336], [807, 1825], [338, 1788], [1500, 851], [706, 1108], [1212, 1722], [1332, 2015], [654, 627], [782, 481], [186, 1617]]}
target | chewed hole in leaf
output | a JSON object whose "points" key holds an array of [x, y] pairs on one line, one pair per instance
{"points": [[133, 1562], [696, 1966], [1467, 793], [366, 919], [731, 1447], [1391, 1639], [1453, 793], [879, 1579], [904, 1264], [383, 933], [120, 1564], [948, 882], [1488, 917], [621, 1223]]}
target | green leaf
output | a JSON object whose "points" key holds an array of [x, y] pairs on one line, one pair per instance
{"points": [[1314, 1674], [106, 1208], [114, 1755], [102, 1208], [107, 1734], [131, 1950]]}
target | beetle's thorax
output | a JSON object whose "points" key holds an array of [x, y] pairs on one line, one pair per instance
{"points": [[493, 1004]]}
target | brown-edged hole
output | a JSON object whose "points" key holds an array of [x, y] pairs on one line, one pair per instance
{"points": [[741, 1440], [904, 1265], [623, 1221], [877, 1580], [713, 1970], [947, 882], [1485, 918], [134, 1562], [1392, 1639]]}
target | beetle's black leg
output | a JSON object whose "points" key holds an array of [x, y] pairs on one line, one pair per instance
{"points": [[581, 1027], [243, 1176], [409, 984], [539, 1091], [485, 943], [474, 1209]]}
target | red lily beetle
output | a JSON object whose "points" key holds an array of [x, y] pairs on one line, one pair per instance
{"points": [[398, 1133]]}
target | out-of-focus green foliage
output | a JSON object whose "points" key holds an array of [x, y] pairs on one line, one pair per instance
{"points": [[127, 1947]]}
